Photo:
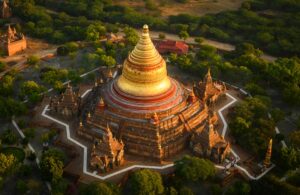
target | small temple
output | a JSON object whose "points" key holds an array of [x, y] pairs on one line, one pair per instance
{"points": [[66, 104], [5, 11], [13, 42], [108, 152], [207, 142], [142, 112], [208, 90]]}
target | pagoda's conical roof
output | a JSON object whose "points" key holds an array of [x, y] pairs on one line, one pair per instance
{"points": [[144, 71]]}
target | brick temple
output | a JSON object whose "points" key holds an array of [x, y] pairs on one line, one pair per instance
{"points": [[12, 41], [138, 110]]}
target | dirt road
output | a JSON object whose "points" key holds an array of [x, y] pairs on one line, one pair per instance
{"points": [[216, 44], [22, 60]]}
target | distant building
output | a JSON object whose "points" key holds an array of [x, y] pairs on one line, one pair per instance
{"points": [[114, 38], [5, 11], [67, 104], [13, 42], [208, 90], [169, 46]]}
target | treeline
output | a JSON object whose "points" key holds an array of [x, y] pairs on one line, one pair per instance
{"points": [[104, 10], [273, 26]]}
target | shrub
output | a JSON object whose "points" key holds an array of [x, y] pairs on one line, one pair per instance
{"points": [[33, 60]]}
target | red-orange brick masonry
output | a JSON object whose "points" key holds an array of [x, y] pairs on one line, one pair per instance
{"points": [[13, 42]]}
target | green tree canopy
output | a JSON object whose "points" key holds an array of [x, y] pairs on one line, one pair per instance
{"points": [[99, 188], [95, 31], [145, 182], [194, 168], [7, 163]]}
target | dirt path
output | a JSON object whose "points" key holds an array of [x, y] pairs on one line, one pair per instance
{"points": [[22, 60], [216, 44]]}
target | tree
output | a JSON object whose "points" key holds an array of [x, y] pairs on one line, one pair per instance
{"points": [[145, 182], [289, 157], [194, 168], [58, 86], [95, 31], [185, 191], [6, 85], [52, 165], [107, 61], [199, 40], [51, 168], [161, 36], [183, 35], [30, 88], [131, 36], [8, 137], [294, 138], [99, 188], [72, 46], [21, 186], [238, 188], [7, 163], [2, 66], [29, 133], [33, 60]]}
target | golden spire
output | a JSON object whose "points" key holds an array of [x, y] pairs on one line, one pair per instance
{"points": [[144, 71], [267, 160]]}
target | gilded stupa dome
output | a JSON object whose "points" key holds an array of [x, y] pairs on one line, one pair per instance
{"points": [[144, 71]]}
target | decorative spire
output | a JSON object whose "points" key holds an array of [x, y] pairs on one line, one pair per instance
{"points": [[108, 131], [144, 71], [101, 104], [267, 160], [80, 123], [154, 119], [192, 98], [101, 81], [109, 74], [208, 78]]}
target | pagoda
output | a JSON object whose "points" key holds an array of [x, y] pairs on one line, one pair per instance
{"points": [[152, 114], [13, 42], [267, 160], [5, 11]]}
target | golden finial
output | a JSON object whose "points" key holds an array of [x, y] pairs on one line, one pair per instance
{"points": [[145, 28], [89, 115]]}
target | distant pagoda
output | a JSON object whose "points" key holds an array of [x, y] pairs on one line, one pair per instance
{"points": [[5, 11], [267, 161]]}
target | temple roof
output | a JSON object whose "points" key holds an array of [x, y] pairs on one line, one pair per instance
{"points": [[144, 71]]}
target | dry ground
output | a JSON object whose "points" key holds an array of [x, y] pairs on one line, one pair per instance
{"points": [[194, 7]]}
